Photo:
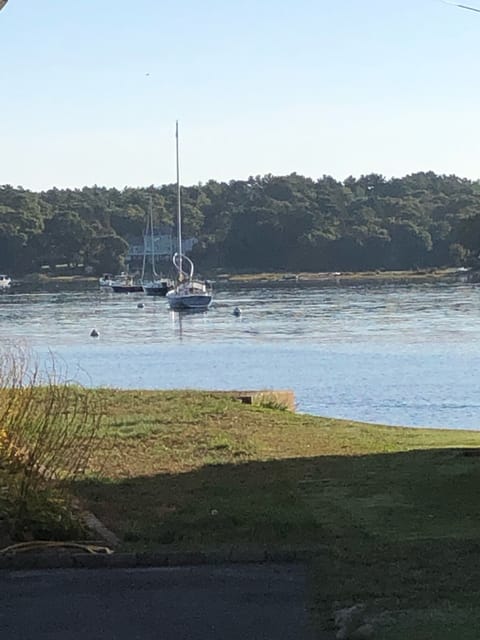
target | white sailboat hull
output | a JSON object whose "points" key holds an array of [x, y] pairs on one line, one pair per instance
{"points": [[184, 301]]}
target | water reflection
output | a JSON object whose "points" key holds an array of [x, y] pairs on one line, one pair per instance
{"points": [[182, 318]]}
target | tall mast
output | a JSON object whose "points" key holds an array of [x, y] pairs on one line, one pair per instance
{"points": [[145, 240], [152, 237], [179, 209]]}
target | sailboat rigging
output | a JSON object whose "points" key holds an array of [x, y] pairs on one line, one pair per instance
{"points": [[189, 293], [157, 286]]}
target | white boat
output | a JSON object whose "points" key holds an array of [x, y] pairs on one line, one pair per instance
{"points": [[189, 293], [125, 283], [106, 280], [5, 281], [157, 286]]}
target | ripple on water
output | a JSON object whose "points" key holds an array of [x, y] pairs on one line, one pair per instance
{"points": [[391, 354]]}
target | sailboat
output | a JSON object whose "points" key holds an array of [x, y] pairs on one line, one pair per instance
{"points": [[158, 286], [189, 293]]}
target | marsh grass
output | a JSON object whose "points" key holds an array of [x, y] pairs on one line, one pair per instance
{"points": [[346, 276]]}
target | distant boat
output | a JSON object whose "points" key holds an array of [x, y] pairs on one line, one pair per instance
{"points": [[5, 281], [122, 283], [125, 283], [189, 293], [157, 286], [106, 280]]}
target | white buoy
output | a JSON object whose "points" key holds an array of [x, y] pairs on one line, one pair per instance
{"points": [[236, 312], [94, 333]]}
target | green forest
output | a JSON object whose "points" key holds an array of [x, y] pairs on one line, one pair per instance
{"points": [[265, 223]]}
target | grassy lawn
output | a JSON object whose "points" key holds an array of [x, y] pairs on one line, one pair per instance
{"points": [[393, 512]]}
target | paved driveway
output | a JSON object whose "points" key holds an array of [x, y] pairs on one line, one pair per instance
{"points": [[238, 602]]}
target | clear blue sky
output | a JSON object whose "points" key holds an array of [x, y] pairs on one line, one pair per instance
{"points": [[343, 87]]}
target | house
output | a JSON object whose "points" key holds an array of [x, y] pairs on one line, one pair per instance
{"points": [[164, 246]]}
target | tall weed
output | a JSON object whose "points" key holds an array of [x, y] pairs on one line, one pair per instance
{"points": [[49, 426]]}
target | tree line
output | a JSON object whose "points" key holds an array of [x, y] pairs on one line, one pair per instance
{"points": [[267, 223]]}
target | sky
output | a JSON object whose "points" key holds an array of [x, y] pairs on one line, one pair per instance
{"points": [[90, 90]]}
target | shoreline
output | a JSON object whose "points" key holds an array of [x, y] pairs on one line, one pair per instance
{"points": [[276, 278], [346, 277]]}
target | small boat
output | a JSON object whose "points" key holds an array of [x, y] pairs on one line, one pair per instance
{"points": [[126, 284], [5, 281], [189, 294], [157, 286], [106, 280]]}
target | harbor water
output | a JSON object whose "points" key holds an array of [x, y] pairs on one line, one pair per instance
{"points": [[392, 354]]}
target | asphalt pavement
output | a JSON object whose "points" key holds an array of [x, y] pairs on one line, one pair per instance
{"points": [[234, 602]]}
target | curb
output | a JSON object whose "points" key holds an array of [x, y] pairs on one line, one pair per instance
{"points": [[143, 560]]}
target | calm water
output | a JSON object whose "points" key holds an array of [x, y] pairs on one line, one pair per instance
{"points": [[391, 354]]}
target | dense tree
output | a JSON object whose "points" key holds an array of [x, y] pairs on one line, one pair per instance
{"points": [[22, 217], [263, 223]]}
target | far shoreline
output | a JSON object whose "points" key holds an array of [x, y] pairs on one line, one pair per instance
{"points": [[420, 276], [346, 277]]}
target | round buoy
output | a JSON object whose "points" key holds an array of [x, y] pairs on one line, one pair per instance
{"points": [[140, 305], [94, 333], [236, 312]]}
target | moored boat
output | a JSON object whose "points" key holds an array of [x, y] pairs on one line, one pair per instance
{"points": [[106, 280], [189, 293], [158, 285], [126, 284], [5, 281]]}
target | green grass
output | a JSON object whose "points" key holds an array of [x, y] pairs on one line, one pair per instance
{"points": [[170, 458], [393, 513], [443, 623]]}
